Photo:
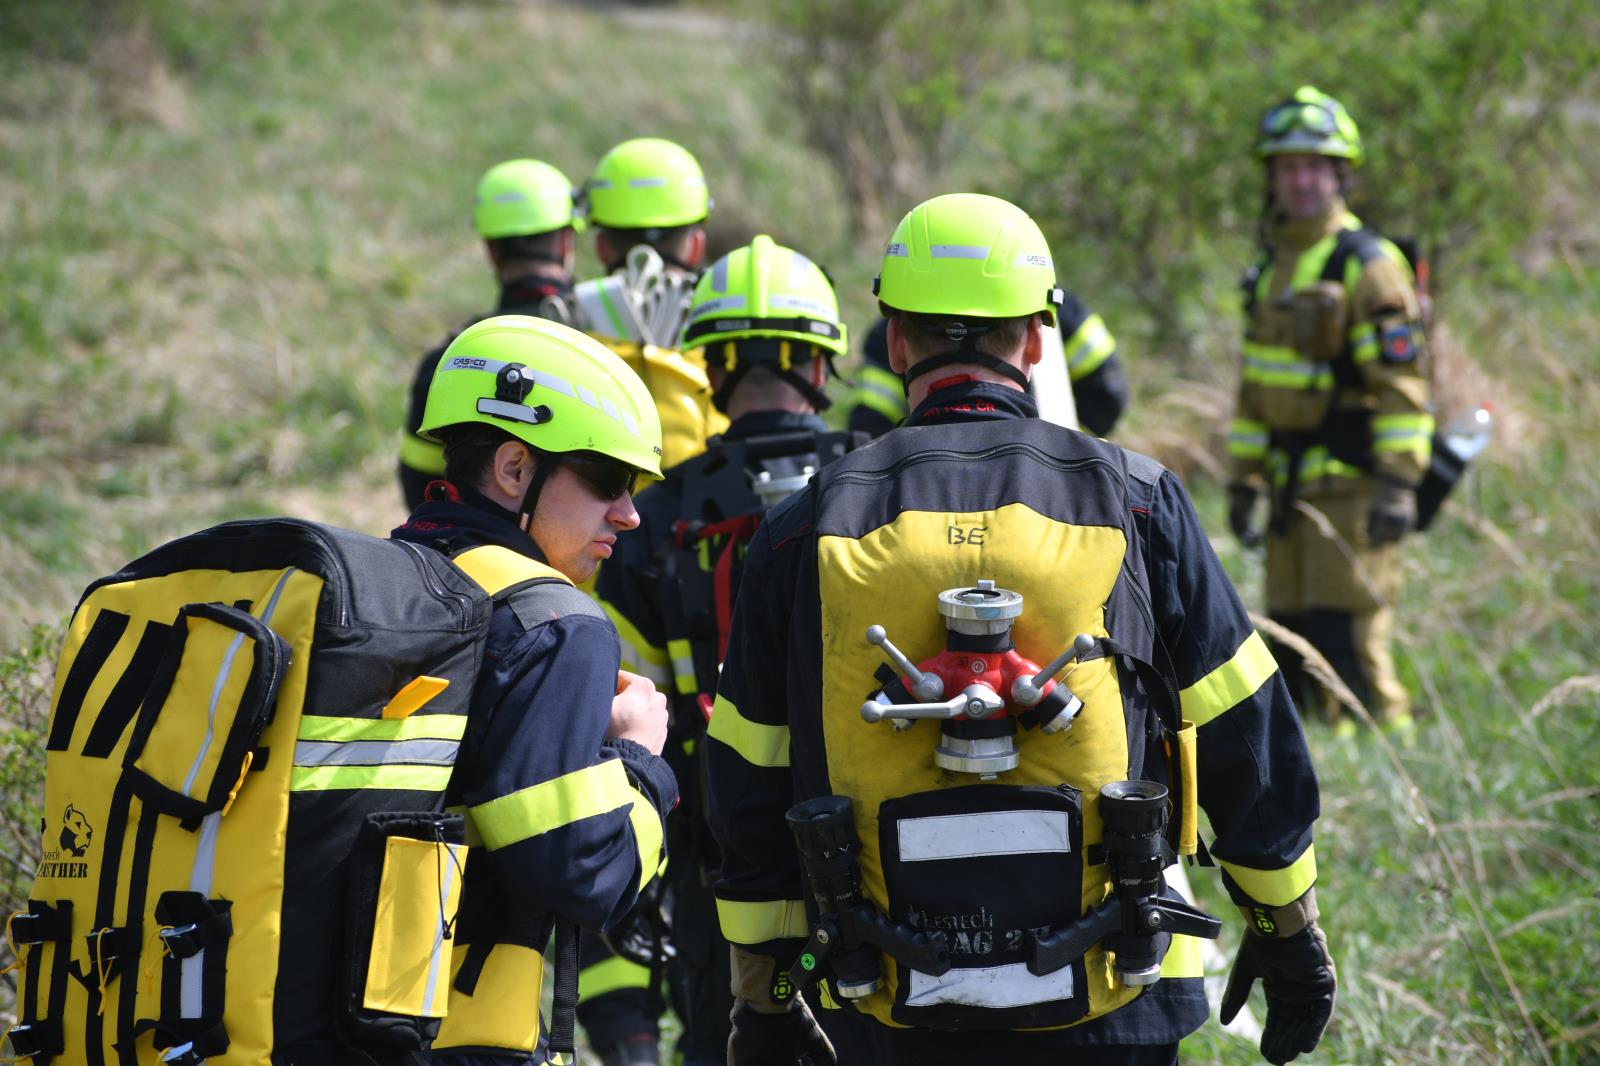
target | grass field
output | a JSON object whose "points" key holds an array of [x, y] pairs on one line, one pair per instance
{"points": [[229, 230]]}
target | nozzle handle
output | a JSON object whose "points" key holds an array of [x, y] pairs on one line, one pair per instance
{"points": [[1028, 691], [926, 687]]}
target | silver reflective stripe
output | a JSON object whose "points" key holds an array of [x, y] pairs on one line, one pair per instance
{"points": [[191, 988], [375, 752], [550, 381], [222, 679], [967, 836], [647, 183], [438, 933], [512, 197], [990, 986], [719, 276], [958, 251], [719, 305], [799, 303]]}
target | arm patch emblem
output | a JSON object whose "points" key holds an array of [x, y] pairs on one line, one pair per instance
{"points": [[1398, 344]]}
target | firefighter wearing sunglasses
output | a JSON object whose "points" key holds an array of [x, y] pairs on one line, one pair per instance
{"points": [[546, 433], [1333, 426]]}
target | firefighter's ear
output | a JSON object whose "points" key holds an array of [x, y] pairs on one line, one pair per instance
{"points": [[1033, 341], [899, 351]]}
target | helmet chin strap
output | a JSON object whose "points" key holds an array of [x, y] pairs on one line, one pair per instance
{"points": [[964, 356], [543, 465], [965, 335]]}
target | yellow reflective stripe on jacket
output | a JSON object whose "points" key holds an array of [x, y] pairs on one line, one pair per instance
{"points": [[762, 745], [395, 775], [1403, 433], [638, 654], [1184, 958], [882, 391], [495, 568], [1231, 683], [1364, 342], [416, 727], [1276, 888], [537, 809], [1308, 268], [611, 975], [423, 455], [756, 923], [1090, 345], [648, 838], [1247, 438], [683, 677], [1272, 364]]}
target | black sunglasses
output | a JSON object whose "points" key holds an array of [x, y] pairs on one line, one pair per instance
{"points": [[609, 479]]}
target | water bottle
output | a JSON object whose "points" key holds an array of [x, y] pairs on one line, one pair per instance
{"points": [[1468, 433]]}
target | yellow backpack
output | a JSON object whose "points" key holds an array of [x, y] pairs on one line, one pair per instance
{"points": [[246, 853]]}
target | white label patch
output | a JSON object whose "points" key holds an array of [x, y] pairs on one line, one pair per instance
{"points": [[966, 836], [990, 986]]}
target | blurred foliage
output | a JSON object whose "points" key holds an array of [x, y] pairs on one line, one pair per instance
{"points": [[25, 687]]}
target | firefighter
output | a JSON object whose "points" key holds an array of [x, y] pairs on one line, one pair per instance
{"points": [[545, 435], [524, 213], [647, 203], [877, 402], [768, 321], [1334, 420], [1105, 551]]}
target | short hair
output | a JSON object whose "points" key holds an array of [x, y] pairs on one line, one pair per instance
{"points": [[925, 334], [469, 452], [539, 246], [668, 240]]}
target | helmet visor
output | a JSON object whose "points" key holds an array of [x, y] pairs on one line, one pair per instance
{"points": [[1298, 114], [606, 477]]}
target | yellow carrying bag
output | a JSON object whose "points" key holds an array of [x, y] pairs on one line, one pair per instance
{"points": [[246, 856]]}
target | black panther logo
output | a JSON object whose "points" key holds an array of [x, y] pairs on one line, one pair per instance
{"points": [[76, 832]]}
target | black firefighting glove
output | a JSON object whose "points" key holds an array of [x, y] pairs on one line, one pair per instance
{"points": [[1393, 513], [772, 1026], [1242, 498], [1289, 953], [778, 1039]]}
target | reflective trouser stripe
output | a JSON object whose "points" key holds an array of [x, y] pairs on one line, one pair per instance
{"points": [[1276, 888], [423, 455], [756, 923], [1231, 683], [1091, 345], [683, 676], [761, 745], [611, 975]]}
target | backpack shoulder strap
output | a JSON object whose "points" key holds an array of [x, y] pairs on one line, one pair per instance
{"points": [[536, 592], [1363, 243]]}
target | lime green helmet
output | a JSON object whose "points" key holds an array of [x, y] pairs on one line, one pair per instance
{"points": [[1309, 123], [765, 305], [647, 183], [521, 198], [549, 385], [971, 256]]}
